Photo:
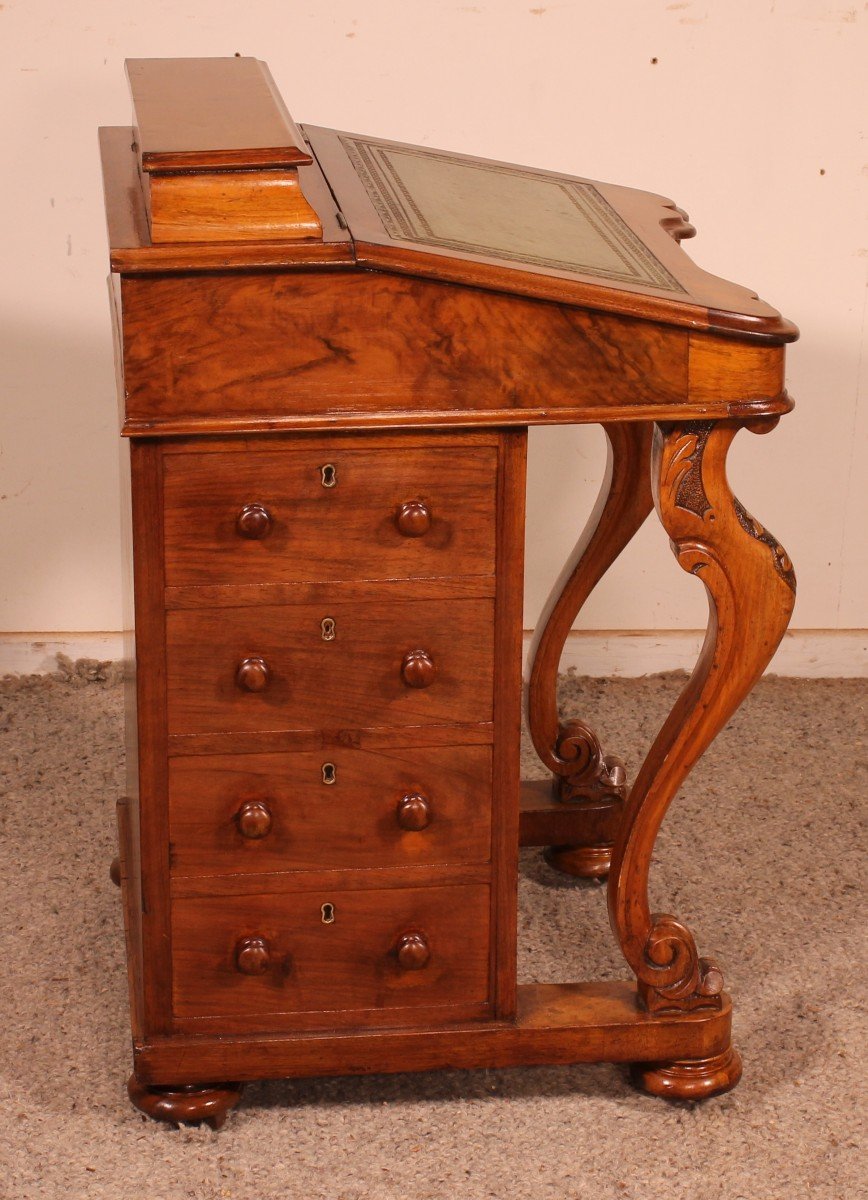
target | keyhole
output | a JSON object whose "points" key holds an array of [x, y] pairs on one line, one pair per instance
{"points": [[329, 475], [329, 773], [328, 629], [328, 914]]}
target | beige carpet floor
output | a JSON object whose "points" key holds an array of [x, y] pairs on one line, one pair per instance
{"points": [[761, 855]]}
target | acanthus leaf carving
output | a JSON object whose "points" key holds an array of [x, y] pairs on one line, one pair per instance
{"points": [[782, 561], [683, 474]]}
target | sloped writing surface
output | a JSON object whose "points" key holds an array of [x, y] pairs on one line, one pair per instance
{"points": [[504, 212]]}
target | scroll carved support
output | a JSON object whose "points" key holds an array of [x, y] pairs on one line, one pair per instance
{"points": [[582, 773], [751, 590]]}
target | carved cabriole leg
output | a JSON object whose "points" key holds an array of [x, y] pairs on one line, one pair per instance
{"points": [[751, 590], [187, 1104], [582, 773]]}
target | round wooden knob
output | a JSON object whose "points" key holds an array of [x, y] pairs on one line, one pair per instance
{"points": [[413, 951], [254, 819], [253, 675], [414, 812], [252, 956], [417, 669], [413, 518], [254, 521]]}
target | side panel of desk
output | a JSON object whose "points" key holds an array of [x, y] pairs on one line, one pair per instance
{"points": [[361, 348]]}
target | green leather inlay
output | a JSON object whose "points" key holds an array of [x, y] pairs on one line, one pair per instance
{"points": [[502, 212]]}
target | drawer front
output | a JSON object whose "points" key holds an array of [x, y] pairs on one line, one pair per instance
{"points": [[325, 514], [342, 666], [394, 949], [348, 808]]}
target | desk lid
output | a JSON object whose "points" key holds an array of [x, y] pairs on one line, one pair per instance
{"points": [[535, 232]]}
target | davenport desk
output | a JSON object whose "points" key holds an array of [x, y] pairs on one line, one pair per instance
{"points": [[330, 348]]}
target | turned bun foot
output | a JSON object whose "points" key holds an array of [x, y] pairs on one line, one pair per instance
{"points": [[187, 1103], [585, 862], [691, 1079]]}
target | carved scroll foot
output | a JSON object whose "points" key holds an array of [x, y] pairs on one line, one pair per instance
{"points": [[690, 1079], [187, 1104], [582, 774], [751, 589]]}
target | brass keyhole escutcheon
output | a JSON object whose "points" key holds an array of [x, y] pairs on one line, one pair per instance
{"points": [[329, 773], [328, 629], [329, 475], [328, 914]]}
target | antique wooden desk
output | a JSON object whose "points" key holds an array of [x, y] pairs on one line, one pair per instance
{"points": [[330, 349]]}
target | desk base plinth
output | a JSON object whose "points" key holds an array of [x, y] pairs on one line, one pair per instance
{"points": [[556, 1024]]}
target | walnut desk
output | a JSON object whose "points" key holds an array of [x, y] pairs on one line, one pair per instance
{"points": [[330, 348]]}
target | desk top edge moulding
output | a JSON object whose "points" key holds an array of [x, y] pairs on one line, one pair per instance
{"points": [[330, 348]]}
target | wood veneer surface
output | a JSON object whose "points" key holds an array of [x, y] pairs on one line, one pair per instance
{"points": [[353, 822], [342, 532]]}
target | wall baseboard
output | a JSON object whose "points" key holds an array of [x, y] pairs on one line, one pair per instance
{"points": [[804, 653], [36, 653]]}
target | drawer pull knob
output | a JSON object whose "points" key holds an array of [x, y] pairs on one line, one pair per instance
{"points": [[329, 475], [252, 956], [413, 951], [254, 819], [413, 519], [329, 773], [414, 812], [417, 669], [254, 521], [253, 675]]}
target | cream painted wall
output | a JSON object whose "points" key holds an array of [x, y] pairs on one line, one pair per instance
{"points": [[748, 113]]}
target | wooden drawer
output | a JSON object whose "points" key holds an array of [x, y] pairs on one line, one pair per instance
{"points": [[371, 956], [298, 529], [357, 679], [382, 808]]}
